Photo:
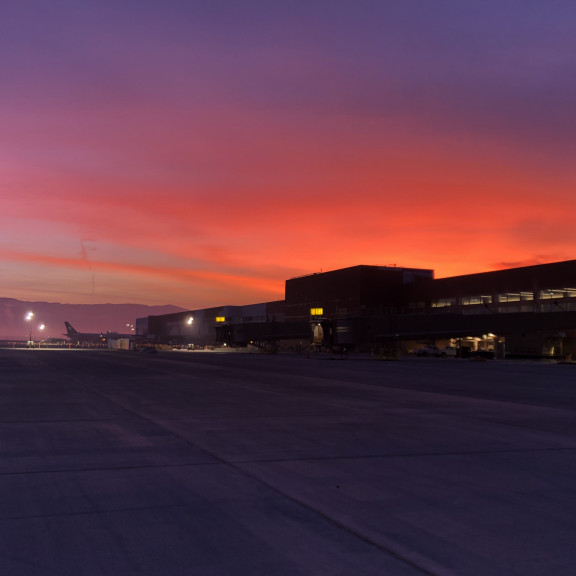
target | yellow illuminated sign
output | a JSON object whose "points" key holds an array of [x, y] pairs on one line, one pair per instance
{"points": [[220, 318], [316, 311]]}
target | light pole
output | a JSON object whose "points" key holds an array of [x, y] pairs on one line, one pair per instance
{"points": [[187, 335], [28, 319]]}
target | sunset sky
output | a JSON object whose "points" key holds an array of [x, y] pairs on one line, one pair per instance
{"points": [[199, 153]]}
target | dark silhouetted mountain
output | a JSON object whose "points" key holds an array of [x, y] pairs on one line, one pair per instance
{"points": [[84, 317]]}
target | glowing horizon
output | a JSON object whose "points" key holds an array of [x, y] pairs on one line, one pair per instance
{"points": [[200, 156]]}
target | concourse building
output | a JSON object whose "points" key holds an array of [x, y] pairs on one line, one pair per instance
{"points": [[518, 312], [523, 312], [207, 327]]}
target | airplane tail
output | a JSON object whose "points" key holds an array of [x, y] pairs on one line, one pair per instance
{"points": [[70, 329]]}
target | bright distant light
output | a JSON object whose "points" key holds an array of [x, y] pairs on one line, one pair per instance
{"points": [[190, 320], [42, 326], [29, 316]]}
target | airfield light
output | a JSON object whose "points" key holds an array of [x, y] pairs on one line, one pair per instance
{"points": [[28, 319]]}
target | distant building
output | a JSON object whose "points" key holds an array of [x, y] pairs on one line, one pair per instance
{"points": [[350, 292], [528, 311], [207, 326]]}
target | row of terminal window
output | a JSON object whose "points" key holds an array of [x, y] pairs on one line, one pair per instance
{"points": [[549, 294]]}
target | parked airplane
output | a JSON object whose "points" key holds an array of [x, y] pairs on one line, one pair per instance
{"points": [[91, 337]]}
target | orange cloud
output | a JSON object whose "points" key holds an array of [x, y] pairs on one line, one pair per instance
{"points": [[242, 198]]}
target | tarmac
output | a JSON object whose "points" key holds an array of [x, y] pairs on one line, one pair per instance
{"points": [[188, 463]]}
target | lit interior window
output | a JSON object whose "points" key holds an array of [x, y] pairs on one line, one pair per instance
{"points": [[316, 311], [220, 319], [552, 293], [509, 297], [471, 300], [443, 302]]}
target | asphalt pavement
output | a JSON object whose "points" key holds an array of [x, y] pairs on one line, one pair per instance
{"points": [[188, 463]]}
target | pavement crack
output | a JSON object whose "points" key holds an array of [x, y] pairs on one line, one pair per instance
{"points": [[89, 512], [402, 455]]}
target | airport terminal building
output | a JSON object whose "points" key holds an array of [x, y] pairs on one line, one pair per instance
{"points": [[518, 312]]}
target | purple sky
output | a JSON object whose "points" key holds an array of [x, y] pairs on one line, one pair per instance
{"points": [[200, 153]]}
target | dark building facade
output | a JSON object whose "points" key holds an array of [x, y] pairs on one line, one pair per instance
{"points": [[528, 311], [235, 325], [350, 292]]}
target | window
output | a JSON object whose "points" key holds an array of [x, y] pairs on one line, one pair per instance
{"points": [[472, 300], [552, 293], [515, 296], [220, 319], [443, 302]]}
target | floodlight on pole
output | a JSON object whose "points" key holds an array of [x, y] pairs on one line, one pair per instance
{"points": [[28, 319]]}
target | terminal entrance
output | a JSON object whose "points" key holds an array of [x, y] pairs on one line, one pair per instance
{"points": [[317, 334]]}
